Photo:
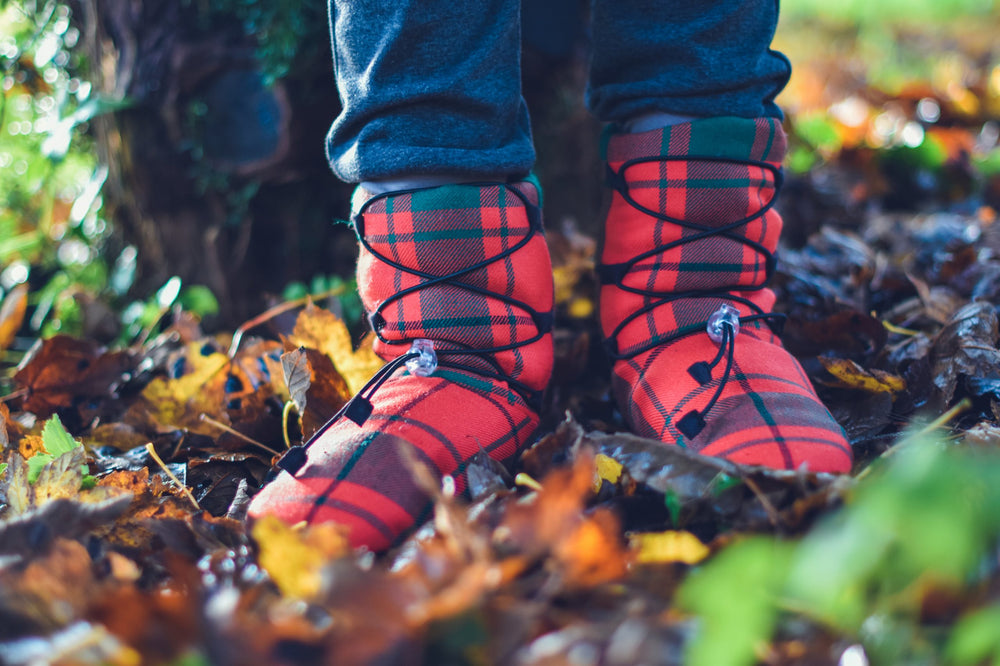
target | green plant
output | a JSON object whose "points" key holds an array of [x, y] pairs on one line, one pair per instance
{"points": [[926, 520]]}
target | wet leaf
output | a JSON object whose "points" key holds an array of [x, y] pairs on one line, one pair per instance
{"points": [[966, 346]]}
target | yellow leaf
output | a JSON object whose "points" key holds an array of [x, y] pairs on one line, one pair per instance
{"points": [[667, 547], [581, 308], [849, 374], [180, 402], [295, 559], [320, 329], [61, 477], [606, 469]]}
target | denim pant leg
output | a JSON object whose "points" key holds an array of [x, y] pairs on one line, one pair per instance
{"points": [[428, 87], [687, 57]]}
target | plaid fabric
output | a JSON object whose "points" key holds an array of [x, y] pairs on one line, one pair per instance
{"points": [[356, 475], [700, 209]]}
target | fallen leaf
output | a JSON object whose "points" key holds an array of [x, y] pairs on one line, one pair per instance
{"points": [[315, 386], [196, 387], [848, 374], [667, 547], [12, 310], [607, 469], [61, 369], [295, 559], [322, 330], [30, 532]]}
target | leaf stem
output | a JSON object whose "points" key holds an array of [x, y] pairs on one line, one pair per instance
{"points": [[166, 470], [278, 309], [284, 422], [236, 433]]}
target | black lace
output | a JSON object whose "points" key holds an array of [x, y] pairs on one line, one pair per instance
{"points": [[693, 422], [359, 408]]}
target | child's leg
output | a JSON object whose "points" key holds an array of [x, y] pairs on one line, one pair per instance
{"points": [[432, 95], [428, 88], [691, 232]]}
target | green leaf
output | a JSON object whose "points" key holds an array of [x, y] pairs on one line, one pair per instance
{"points": [[36, 464], [56, 439], [975, 638], [200, 300], [3, 468], [735, 598]]}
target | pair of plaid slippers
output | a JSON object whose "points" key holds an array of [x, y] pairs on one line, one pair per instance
{"points": [[463, 271]]}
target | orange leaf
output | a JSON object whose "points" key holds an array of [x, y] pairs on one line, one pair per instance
{"points": [[12, 314]]}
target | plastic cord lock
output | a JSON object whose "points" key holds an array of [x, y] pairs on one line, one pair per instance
{"points": [[725, 315], [426, 362]]}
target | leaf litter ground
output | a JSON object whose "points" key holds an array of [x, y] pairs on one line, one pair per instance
{"points": [[578, 561], [127, 473]]}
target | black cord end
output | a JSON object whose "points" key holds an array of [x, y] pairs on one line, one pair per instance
{"points": [[292, 461], [701, 372], [691, 424], [359, 409]]}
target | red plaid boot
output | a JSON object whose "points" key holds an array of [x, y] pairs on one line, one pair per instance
{"points": [[458, 285], [688, 251]]}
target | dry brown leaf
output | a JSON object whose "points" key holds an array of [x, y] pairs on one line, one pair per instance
{"points": [[61, 369], [315, 386]]}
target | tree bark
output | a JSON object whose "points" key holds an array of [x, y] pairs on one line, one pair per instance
{"points": [[213, 176]]}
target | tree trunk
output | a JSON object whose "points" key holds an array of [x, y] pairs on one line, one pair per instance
{"points": [[213, 176]]}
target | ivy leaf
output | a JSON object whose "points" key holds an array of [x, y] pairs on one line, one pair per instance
{"points": [[36, 463], [56, 439]]}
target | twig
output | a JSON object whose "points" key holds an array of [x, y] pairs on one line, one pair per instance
{"points": [[166, 470], [20, 393], [772, 513], [236, 433], [270, 313], [939, 422]]}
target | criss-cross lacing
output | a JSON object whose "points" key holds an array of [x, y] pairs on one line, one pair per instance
{"points": [[446, 352], [542, 320], [724, 324], [686, 312]]}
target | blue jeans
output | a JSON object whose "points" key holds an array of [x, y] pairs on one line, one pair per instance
{"points": [[433, 87]]}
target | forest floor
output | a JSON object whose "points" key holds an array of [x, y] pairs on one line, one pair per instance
{"points": [[126, 471]]}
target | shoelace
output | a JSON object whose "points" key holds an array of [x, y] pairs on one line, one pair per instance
{"points": [[423, 358], [724, 323]]}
